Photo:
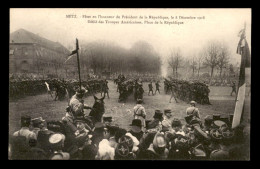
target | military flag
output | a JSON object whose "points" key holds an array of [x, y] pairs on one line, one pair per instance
{"points": [[70, 55], [243, 50]]}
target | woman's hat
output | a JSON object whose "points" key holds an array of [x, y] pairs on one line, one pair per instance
{"points": [[158, 114], [136, 125]]}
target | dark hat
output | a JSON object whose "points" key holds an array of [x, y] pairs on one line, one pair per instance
{"points": [[107, 118], [25, 119], [158, 114], [112, 128], [208, 120], [176, 123], [216, 117], [136, 125], [167, 111], [38, 120]]}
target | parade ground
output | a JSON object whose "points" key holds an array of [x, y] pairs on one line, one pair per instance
{"points": [[122, 113]]}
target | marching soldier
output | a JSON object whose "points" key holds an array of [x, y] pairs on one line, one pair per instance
{"points": [[157, 87], [173, 93], [105, 89], [150, 85]]}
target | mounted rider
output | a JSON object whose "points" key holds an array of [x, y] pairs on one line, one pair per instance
{"points": [[76, 106]]}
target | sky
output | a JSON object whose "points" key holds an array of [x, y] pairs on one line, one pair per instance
{"points": [[218, 24]]}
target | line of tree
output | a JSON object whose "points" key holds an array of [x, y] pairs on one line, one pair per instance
{"points": [[214, 55], [104, 56]]}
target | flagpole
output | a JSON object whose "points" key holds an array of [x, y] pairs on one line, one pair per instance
{"points": [[77, 48]]}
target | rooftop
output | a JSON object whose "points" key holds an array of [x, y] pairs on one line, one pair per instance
{"points": [[24, 36]]}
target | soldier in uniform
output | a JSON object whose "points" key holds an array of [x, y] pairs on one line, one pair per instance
{"points": [[233, 88], [167, 121], [38, 124], [173, 89], [24, 131], [157, 87], [77, 103], [193, 110], [150, 85], [76, 108], [105, 89], [139, 113]]}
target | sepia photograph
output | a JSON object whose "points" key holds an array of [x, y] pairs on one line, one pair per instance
{"points": [[130, 84]]}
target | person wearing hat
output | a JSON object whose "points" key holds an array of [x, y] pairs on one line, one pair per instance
{"points": [[105, 88], [167, 121], [38, 124], [150, 85], [57, 143], [157, 87], [139, 112], [177, 126], [157, 150], [193, 110], [136, 129], [24, 131], [156, 123], [107, 120], [77, 105], [173, 89]]}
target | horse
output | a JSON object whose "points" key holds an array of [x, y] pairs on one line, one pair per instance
{"points": [[98, 109]]}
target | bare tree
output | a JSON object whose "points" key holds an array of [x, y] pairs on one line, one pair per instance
{"points": [[193, 64], [175, 60], [200, 60], [212, 51], [223, 58]]}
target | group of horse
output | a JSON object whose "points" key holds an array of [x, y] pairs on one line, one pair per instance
{"points": [[127, 87]]}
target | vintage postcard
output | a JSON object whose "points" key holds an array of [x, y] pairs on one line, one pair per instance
{"points": [[129, 84]]}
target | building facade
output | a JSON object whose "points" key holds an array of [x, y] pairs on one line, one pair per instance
{"points": [[30, 53]]}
